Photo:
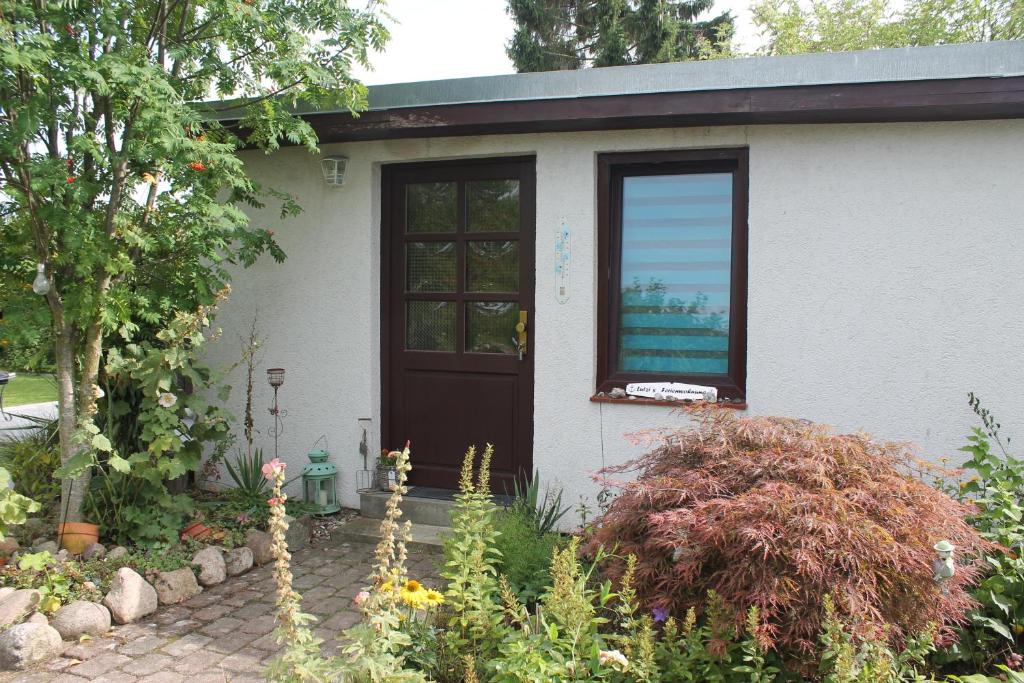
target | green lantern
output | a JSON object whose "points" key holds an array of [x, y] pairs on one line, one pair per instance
{"points": [[319, 483]]}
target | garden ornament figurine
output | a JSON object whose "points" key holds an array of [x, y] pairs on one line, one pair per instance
{"points": [[943, 567]]}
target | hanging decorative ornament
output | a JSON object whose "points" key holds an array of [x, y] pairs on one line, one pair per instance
{"points": [[41, 285]]}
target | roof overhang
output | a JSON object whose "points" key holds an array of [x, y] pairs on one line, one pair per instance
{"points": [[953, 82]]}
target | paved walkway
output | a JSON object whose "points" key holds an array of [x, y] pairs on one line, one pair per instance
{"points": [[224, 634]]}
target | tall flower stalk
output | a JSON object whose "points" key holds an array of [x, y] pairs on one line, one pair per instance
{"points": [[301, 660]]}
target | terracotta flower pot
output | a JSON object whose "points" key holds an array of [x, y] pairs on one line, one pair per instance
{"points": [[75, 537]]}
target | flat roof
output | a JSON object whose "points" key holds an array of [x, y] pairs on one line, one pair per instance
{"points": [[975, 60], [938, 83]]}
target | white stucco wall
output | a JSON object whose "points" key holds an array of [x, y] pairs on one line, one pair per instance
{"points": [[884, 283]]}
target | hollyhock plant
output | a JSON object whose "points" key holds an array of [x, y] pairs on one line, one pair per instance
{"points": [[775, 513], [273, 468]]}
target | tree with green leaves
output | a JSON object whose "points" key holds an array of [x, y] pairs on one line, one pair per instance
{"points": [[553, 35], [792, 27], [122, 189]]}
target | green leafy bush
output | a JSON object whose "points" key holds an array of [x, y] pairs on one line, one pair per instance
{"points": [[525, 554], [31, 458], [996, 487]]}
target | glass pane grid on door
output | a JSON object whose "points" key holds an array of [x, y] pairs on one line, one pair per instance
{"points": [[462, 266]]}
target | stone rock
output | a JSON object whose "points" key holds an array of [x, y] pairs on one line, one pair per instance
{"points": [[117, 552], [238, 561], [617, 392], [23, 645], [261, 545], [297, 536], [63, 555], [8, 546], [48, 546], [81, 617], [177, 586], [5, 591], [130, 597], [94, 551], [16, 605], [37, 618], [212, 568]]}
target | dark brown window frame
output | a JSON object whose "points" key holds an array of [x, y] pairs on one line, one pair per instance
{"points": [[611, 169]]}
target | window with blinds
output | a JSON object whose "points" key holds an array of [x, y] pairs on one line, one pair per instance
{"points": [[672, 231], [675, 272]]}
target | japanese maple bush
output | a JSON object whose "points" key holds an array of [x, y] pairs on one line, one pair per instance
{"points": [[776, 513]]}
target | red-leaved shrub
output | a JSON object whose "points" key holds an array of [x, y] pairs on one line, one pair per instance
{"points": [[776, 513]]}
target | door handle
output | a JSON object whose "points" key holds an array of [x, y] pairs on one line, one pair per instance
{"points": [[521, 338]]}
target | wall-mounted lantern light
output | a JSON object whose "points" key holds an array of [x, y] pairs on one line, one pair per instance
{"points": [[334, 169]]}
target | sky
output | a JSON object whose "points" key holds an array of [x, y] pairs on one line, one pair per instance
{"points": [[435, 39]]}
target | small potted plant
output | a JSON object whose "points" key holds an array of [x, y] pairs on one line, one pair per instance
{"points": [[387, 475]]}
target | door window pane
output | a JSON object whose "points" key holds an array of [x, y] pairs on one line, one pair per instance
{"points": [[676, 274], [490, 326], [431, 207], [430, 326], [492, 205], [430, 267], [492, 266]]}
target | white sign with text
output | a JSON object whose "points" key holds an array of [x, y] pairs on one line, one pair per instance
{"points": [[675, 391]]}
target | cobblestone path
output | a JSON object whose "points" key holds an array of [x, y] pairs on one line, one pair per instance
{"points": [[224, 634]]}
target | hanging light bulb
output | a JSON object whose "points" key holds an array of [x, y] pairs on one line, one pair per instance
{"points": [[41, 285]]}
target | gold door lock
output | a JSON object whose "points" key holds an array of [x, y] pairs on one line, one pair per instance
{"points": [[522, 336]]}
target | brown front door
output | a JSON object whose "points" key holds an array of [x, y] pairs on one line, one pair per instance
{"points": [[459, 269]]}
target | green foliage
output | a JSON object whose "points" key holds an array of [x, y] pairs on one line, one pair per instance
{"points": [[470, 568], [846, 659], [151, 432], [246, 472], [31, 458], [123, 180], [47, 578], [565, 34], [543, 513], [793, 27], [14, 507], [996, 628], [525, 555]]}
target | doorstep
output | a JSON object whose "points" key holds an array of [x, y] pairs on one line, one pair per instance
{"points": [[367, 530], [433, 511]]}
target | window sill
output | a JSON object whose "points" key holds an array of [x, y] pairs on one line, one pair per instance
{"points": [[731, 403]]}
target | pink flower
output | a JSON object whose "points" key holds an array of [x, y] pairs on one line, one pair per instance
{"points": [[273, 468], [361, 597], [275, 501]]}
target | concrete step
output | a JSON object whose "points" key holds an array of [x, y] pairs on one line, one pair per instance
{"points": [[366, 530], [429, 511]]}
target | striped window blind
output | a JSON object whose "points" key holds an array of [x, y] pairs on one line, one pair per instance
{"points": [[675, 273]]}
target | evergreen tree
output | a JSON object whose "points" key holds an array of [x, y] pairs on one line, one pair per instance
{"points": [[572, 34]]}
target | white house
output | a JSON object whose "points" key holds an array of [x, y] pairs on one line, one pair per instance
{"points": [[838, 237]]}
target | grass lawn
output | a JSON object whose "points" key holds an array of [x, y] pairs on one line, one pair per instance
{"points": [[25, 389]]}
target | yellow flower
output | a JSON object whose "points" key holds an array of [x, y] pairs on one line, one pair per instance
{"points": [[413, 585], [433, 598], [414, 599]]}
